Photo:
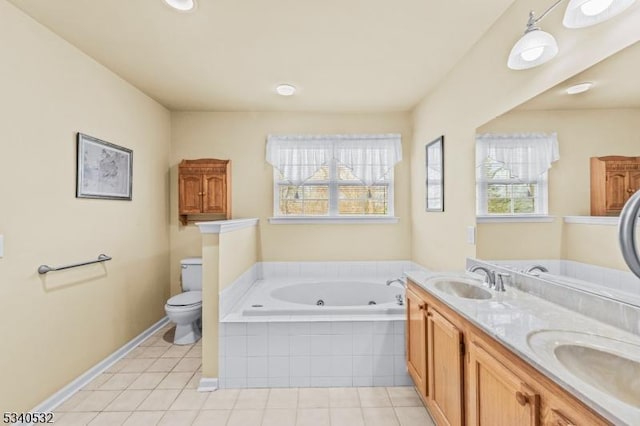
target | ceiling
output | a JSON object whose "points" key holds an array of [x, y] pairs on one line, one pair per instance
{"points": [[228, 55], [615, 85]]}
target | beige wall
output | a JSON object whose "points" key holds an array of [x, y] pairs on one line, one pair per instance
{"points": [[479, 88], [582, 134], [55, 327], [241, 137]]}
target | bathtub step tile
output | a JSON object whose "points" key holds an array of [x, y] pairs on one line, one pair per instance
{"points": [[257, 328], [257, 367], [278, 345], [300, 382], [236, 346], [320, 327], [278, 382], [300, 345], [383, 380], [256, 345], [342, 344], [363, 366]]}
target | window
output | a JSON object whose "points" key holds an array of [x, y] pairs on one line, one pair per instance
{"points": [[511, 173], [345, 176]]}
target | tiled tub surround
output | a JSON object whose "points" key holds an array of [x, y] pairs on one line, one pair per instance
{"points": [[513, 316], [307, 349]]}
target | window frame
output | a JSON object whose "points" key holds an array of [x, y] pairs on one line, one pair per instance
{"points": [[333, 215]]}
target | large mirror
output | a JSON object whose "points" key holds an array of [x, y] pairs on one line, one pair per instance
{"points": [[602, 121]]}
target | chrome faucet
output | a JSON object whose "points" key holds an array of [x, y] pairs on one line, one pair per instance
{"points": [[402, 280], [500, 279], [530, 269], [491, 275]]}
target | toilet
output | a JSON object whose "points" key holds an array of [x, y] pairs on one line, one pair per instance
{"points": [[185, 309]]}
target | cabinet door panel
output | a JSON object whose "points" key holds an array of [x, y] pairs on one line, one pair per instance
{"points": [[616, 191], [634, 183], [445, 368], [215, 199], [416, 341], [190, 194], [497, 397]]}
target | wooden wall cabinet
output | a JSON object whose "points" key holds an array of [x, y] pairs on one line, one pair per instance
{"points": [[614, 179], [465, 377], [204, 189]]}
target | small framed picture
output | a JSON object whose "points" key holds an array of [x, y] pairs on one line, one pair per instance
{"points": [[434, 152], [104, 170]]}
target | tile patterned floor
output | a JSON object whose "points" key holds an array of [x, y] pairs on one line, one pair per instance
{"points": [[156, 384]]}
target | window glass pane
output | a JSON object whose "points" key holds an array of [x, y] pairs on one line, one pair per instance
{"points": [[362, 200], [304, 200]]}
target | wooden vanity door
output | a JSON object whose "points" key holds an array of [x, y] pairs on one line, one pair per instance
{"points": [[416, 341], [617, 185], [445, 369], [497, 397], [191, 193]]}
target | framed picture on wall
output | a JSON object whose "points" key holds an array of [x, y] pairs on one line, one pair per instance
{"points": [[434, 152], [104, 170]]}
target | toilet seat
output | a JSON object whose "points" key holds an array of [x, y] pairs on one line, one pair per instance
{"points": [[188, 298]]}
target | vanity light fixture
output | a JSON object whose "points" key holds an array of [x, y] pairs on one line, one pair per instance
{"points": [[181, 5], [536, 47], [579, 88], [285, 89]]}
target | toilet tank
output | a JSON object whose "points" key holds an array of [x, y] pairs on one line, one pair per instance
{"points": [[191, 273]]}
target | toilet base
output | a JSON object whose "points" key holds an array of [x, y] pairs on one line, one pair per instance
{"points": [[187, 334]]}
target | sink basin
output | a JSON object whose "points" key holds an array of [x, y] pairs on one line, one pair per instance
{"points": [[461, 288], [610, 366]]}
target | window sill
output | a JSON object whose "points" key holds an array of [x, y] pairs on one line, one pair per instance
{"points": [[297, 220], [515, 218]]}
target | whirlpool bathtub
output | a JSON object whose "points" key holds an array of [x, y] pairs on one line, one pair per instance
{"points": [[324, 297]]}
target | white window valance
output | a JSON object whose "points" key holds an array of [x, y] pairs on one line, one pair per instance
{"points": [[369, 157], [525, 155]]}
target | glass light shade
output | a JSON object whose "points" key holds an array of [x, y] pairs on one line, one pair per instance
{"points": [[286, 90], [181, 5], [584, 13], [534, 48]]}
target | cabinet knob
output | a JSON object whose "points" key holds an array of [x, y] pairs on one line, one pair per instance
{"points": [[421, 306], [522, 398], [560, 420], [630, 190]]}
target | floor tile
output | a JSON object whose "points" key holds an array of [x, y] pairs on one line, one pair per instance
{"points": [[128, 400], [149, 341], [135, 353], [137, 365], [73, 401], [221, 399], [195, 381], [252, 399], [344, 397], [194, 352], [374, 397], [110, 419], [119, 365], [312, 417], [413, 416], [175, 381], [212, 418], [178, 418], [379, 416], [76, 419], [176, 351], [187, 365], [97, 382], [147, 381], [144, 418], [153, 351], [283, 398], [96, 400], [279, 417], [159, 399], [245, 418], [189, 399], [119, 381], [346, 417], [405, 396], [313, 398], [162, 365]]}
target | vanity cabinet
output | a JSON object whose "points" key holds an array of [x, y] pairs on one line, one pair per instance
{"points": [[466, 377], [204, 189], [614, 179]]}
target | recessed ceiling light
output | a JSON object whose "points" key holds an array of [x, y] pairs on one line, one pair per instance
{"points": [[285, 89], [181, 5], [579, 88]]}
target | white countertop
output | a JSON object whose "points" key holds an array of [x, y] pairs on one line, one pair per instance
{"points": [[511, 316]]}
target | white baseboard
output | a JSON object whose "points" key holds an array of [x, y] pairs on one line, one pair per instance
{"points": [[66, 392], [208, 384]]}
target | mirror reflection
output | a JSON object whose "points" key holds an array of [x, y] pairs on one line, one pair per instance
{"points": [[548, 216]]}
